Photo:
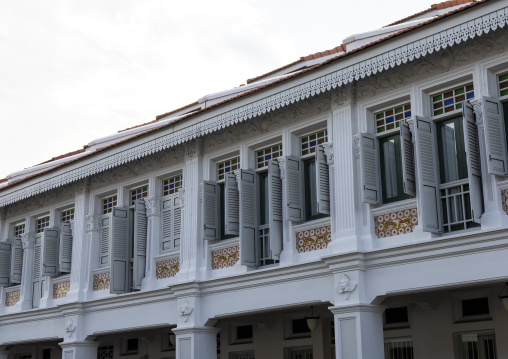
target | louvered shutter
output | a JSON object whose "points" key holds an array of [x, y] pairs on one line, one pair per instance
{"points": [[474, 170], [177, 221], [294, 189], [5, 263], [51, 239], [495, 140], [428, 175], [17, 261], [231, 206], [408, 164], [105, 239], [65, 253], [322, 182], [36, 273], [248, 235], [275, 208], [167, 223], [369, 165], [210, 210], [119, 250], [140, 239]]}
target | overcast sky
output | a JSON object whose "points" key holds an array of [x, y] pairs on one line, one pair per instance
{"points": [[72, 71]]}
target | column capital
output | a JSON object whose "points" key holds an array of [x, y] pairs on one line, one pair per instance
{"points": [[28, 240], [328, 148], [153, 206], [93, 223], [355, 308]]}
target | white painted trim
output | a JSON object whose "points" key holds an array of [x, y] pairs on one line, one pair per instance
{"points": [[394, 207], [225, 244]]}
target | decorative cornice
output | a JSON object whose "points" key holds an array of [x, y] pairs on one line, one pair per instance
{"points": [[153, 206], [456, 34], [93, 223]]}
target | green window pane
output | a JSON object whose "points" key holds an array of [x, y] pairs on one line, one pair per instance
{"points": [[437, 98], [399, 110], [381, 129], [503, 77], [438, 112], [380, 115], [504, 92], [459, 105], [459, 91]]}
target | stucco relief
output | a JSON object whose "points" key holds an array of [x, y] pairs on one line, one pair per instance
{"points": [[93, 223], [153, 206], [41, 200]]}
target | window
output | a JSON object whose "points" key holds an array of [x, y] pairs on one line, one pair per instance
{"points": [[242, 355], [299, 352], [481, 345], [395, 318], [171, 213], [451, 99], [503, 84], [138, 193], [46, 353], [108, 204], [399, 348], [16, 256], [130, 346], [67, 215], [105, 352], [264, 155], [172, 184], [244, 332], [227, 167], [391, 118], [41, 223]]}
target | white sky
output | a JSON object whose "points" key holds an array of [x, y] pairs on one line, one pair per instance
{"points": [[73, 70]]}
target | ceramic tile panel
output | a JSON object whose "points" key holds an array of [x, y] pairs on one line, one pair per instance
{"points": [[226, 257], [61, 289], [168, 268], [11, 298], [400, 222], [504, 196], [101, 281], [313, 239]]}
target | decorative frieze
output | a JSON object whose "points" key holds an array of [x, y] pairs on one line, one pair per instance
{"points": [[313, 239], [11, 298], [400, 222], [61, 289], [226, 257], [167, 268], [101, 281]]}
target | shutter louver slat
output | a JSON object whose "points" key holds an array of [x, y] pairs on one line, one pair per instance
{"points": [[105, 238], [65, 253], [495, 140], [294, 189], [210, 210], [369, 157], [36, 273], [140, 239], [322, 182], [177, 221], [167, 223], [275, 208], [17, 261], [407, 154], [473, 162], [428, 175], [5, 263], [119, 251], [248, 235], [231, 206], [50, 244]]}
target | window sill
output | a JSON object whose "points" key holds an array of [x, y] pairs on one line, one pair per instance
{"points": [[225, 243], [101, 270], [62, 278], [321, 222], [394, 207], [167, 255]]}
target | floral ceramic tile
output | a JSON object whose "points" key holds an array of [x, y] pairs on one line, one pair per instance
{"points": [[60, 290], [313, 239], [504, 195], [101, 281], [226, 257], [12, 298], [168, 268], [392, 224]]}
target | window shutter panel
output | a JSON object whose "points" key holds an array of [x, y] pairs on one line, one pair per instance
{"points": [[210, 210], [294, 189], [140, 239], [248, 235], [36, 273], [495, 140], [65, 253], [231, 206], [474, 170], [119, 250], [50, 252], [17, 261], [408, 164], [167, 223], [177, 221], [105, 239], [428, 175], [5, 263], [275, 208], [322, 182], [369, 157]]}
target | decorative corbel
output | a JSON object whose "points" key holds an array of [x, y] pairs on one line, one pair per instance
{"points": [[153, 206], [356, 141], [238, 176], [93, 223], [477, 108], [411, 123], [282, 167], [328, 148], [71, 222], [28, 240], [181, 196]]}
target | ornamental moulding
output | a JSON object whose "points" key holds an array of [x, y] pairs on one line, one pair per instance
{"points": [[395, 57]]}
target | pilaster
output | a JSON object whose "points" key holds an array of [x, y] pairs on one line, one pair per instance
{"points": [[196, 342], [153, 213], [28, 242], [79, 349], [91, 244]]}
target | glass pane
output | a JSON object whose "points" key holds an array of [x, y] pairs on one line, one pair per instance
{"points": [[448, 151], [263, 196], [310, 188], [390, 168]]}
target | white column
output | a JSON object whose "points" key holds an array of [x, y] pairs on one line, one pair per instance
{"points": [[358, 331], [196, 342], [328, 148], [153, 213], [78, 349], [91, 244], [28, 241]]}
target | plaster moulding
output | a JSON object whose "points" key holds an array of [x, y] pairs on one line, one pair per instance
{"points": [[408, 52], [153, 206], [346, 287], [93, 223]]}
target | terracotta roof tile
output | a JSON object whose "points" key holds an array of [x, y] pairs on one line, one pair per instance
{"points": [[143, 124], [249, 81], [62, 156], [178, 109]]}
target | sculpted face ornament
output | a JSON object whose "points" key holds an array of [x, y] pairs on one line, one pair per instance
{"points": [[69, 326], [185, 311], [346, 287]]}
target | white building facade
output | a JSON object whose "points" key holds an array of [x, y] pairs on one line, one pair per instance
{"points": [[365, 190]]}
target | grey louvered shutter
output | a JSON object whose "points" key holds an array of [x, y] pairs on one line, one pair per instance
{"points": [[275, 208], [50, 252], [370, 174], [140, 239], [495, 140], [119, 251], [177, 221], [105, 239], [65, 253], [322, 182], [428, 175], [16, 261], [36, 272], [474, 169], [167, 223], [408, 163], [210, 210], [294, 189], [5, 264], [248, 228], [231, 206]]}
